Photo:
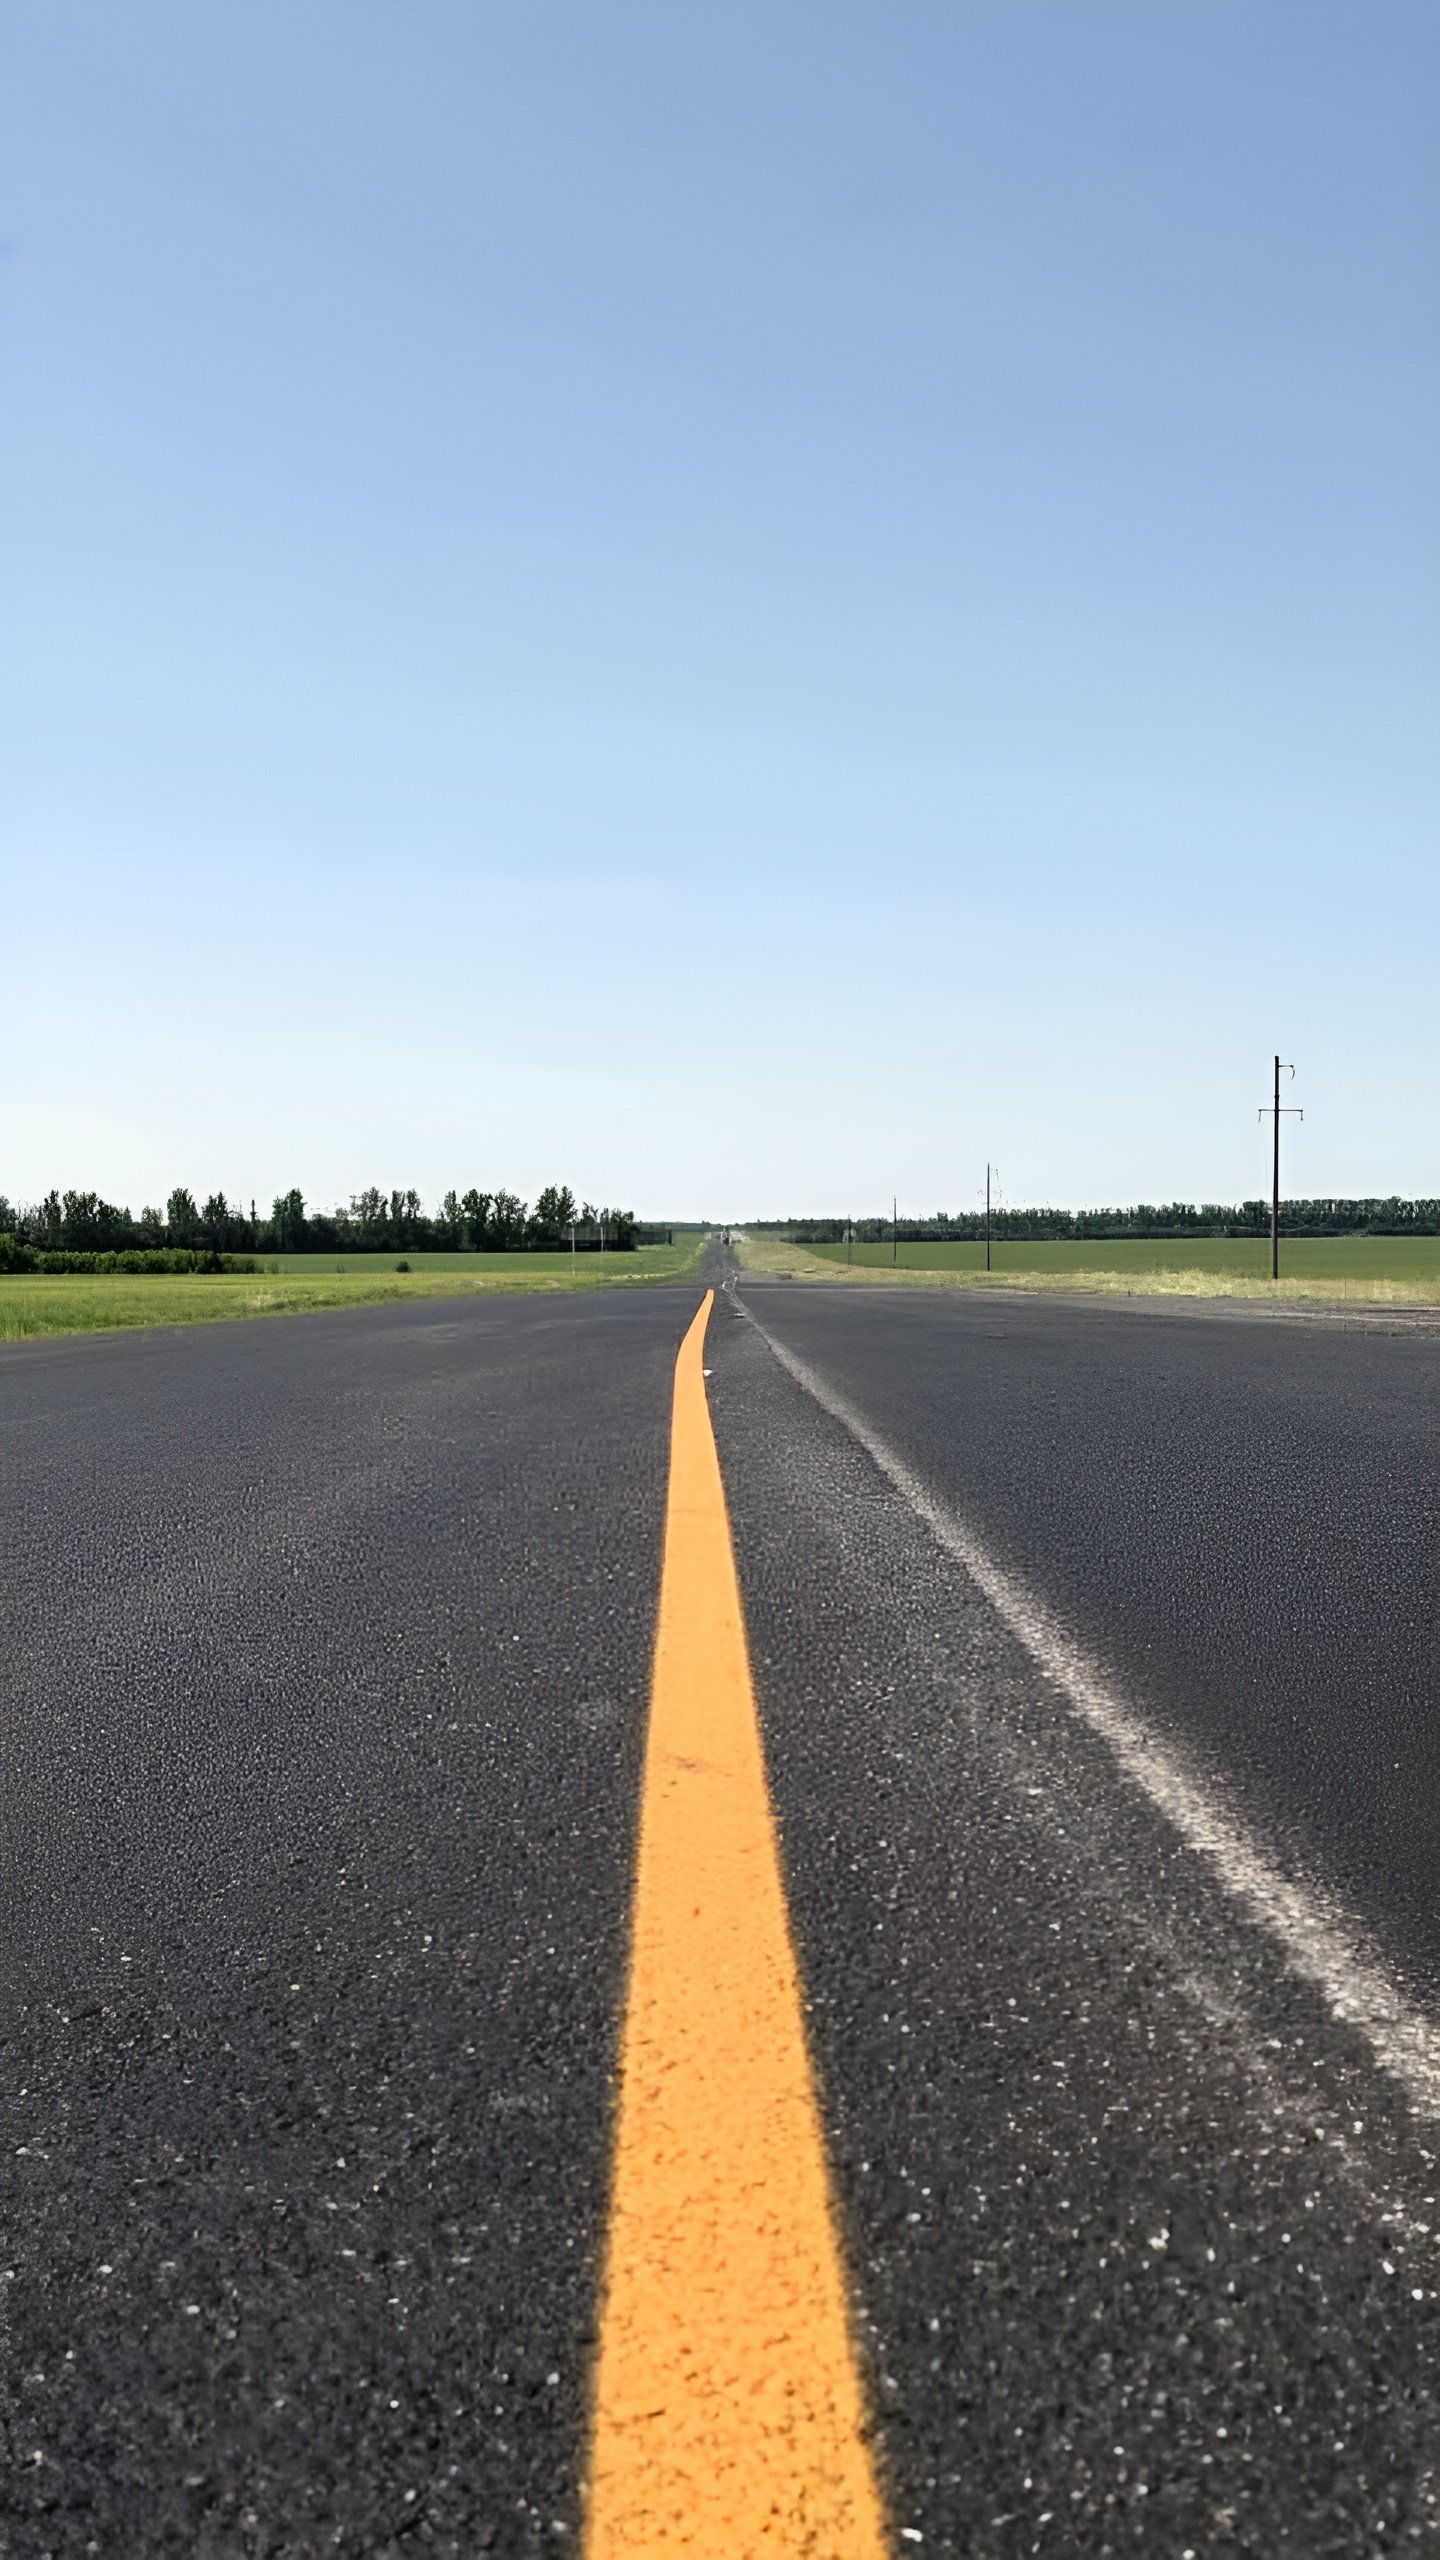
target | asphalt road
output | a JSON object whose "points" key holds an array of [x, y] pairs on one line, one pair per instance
{"points": [[1239, 1518], [325, 1659]]}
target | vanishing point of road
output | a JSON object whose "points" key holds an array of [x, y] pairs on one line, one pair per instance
{"points": [[800, 1925]]}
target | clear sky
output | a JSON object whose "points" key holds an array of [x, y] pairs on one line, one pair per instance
{"points": [[743, 605]]}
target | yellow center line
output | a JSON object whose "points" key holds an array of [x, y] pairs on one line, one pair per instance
{"points": [[728, 2416]]}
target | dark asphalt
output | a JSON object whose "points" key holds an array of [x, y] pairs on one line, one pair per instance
{"points": [[325, 1667], [1143, 2243], [1239, 1520], [325, 1651]]}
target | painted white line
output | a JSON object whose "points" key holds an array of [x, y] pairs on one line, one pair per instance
{"points": [[1318, 1942]]}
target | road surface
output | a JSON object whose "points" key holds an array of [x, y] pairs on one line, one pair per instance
{"points": [[1094, 1655]]}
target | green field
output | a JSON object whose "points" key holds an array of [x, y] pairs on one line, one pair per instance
{"points": [[1305, 1257], [1378, 1270], [35, 1303]]}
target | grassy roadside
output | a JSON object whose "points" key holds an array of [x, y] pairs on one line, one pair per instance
{"points": [[34, 1304], [1319, 1270]]}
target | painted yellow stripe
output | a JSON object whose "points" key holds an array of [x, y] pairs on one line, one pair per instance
{"points": [[728, 2416]]}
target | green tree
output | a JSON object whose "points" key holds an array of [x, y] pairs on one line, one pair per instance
{"points": [[368, 1210], [507, 1221], [182, 1219], [287, 1218], [550, 1218], [406, 1216], [216, 1220], [79, 1220], [477, 1206]]}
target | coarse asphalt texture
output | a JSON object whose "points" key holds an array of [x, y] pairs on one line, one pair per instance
{"points": [[325, 1655]]}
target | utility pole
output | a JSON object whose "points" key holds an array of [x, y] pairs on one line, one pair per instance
{"points": [[987, 1217], [1277, 1115]]}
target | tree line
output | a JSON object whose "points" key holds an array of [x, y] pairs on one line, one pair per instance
{"points": [[375, 1221], [1177, 1218]]}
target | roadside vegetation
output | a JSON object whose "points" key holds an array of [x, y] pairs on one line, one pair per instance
{"points": [[373, 1222], [75, 1262], [1368, 1269], [1167, 1222], [33, 1303]]}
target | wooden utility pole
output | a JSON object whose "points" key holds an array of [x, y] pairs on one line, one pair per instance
{"points": [[895, 1228], [1277, 1115], [987, 1217]]}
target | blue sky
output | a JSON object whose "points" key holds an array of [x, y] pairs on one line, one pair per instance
{"points": [[742, 606]]}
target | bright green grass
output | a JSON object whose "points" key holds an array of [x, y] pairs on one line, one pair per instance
{"points": [[1413, 1258], [35, 1303]]}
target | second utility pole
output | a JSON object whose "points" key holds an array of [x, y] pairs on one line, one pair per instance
{"points": [[987, 1217], [1278, 1115]]}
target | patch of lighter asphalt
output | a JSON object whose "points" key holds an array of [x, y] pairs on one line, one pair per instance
{"points": [[1322, 1944]]}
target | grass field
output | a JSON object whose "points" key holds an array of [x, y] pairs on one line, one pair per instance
{"points": [[1303, 1258], [1378, 1270], [33, 1304]]}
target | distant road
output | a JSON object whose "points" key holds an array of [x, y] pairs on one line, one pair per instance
{"points": [[1094, 1654]]}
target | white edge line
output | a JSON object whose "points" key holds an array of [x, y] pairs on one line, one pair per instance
{"points": [[1356, 1989]]}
